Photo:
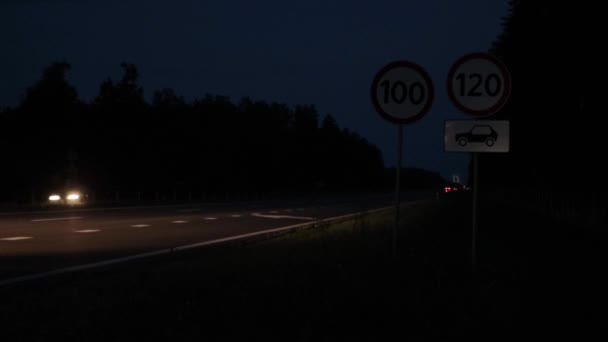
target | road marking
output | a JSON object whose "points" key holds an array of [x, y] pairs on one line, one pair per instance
{"points": [[58, 219], [17, 238], [87, 231], [188, 210], [237, 215], [269, 232], [111, 208], [283, 217], [140, 225], [179, 221], [210, 218]]}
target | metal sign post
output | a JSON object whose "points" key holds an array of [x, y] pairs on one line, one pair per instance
{"points": [[474, 218], [476, 136], [479, 85], [397, 187], [402, 93]]}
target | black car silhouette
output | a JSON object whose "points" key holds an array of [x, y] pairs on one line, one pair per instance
{"points": [[478, 134]]}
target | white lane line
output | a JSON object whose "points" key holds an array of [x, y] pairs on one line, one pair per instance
{"points": [[187, 210], [58, 219], [35, 276], [87, 231], [112, 208], [210, 218], [283, 217], [140, 225], [16, 238], [179, 221], [237, 215]]}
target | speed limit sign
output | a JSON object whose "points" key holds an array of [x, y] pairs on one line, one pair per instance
{"points": [[402, 92], [479, 84]]}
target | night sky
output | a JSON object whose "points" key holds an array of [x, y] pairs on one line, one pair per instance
{"points": [[318, 52]]}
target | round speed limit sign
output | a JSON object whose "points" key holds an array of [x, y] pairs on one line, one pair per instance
{"points": [[479, 84], [402, 92]]}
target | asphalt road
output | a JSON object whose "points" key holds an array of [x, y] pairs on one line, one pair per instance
{"points": [[35, 242]]}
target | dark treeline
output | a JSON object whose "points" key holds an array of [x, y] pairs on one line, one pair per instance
{"points": [[209, 147], [557, 126]]}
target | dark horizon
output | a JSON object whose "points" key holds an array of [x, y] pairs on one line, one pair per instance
{"points": [[305, 53], [223, 170], [119, 146]]}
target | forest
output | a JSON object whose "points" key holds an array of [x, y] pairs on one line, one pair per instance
{"points": [[120, 146]]}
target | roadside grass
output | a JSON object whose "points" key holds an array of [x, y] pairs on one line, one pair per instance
{"points": [[337, 282]]}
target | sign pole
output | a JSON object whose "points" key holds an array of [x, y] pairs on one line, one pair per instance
{"points": [[474, 218], [397, 187], [478, 84], [402, 93]]}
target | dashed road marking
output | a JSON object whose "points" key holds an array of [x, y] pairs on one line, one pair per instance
{"points": [[282, 217], [236, 215], [58, 219], [180, 221], [105, 263], [87, 231], [210, 218], [140, 225], [17, 238]]}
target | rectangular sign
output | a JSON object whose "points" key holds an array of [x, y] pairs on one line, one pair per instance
{"points": [[477, 136]]}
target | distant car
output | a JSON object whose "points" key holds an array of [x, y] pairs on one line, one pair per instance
{"points": [[478, 134], [68, 198], [452, 188]]}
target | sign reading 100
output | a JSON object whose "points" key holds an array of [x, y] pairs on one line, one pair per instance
{"points": [[399, 92], [402, 92]]}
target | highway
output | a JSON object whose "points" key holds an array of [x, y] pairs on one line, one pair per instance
{"points": [[38, 242]]}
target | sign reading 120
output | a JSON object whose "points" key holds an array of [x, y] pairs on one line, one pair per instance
{"points": [[479, 84], [492, 84]]}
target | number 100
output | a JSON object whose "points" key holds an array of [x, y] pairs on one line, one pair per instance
{"points": [[399, 92]]}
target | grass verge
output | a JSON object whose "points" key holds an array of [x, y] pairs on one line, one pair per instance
{"points": [[337, 282]]}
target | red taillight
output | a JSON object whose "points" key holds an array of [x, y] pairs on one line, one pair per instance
{"points": [[447, 189]]}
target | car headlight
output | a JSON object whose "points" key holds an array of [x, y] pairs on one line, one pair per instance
{"points": [[54, 198], [73, 197]]}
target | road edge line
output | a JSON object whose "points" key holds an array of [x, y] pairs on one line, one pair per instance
{"points": [[268, 232]]}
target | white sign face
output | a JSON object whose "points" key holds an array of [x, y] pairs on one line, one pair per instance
{"points": [[477, 136], [479, 84], [402, 92]]}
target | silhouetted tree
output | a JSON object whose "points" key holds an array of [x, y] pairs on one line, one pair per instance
{"points": [[51, 100], [120, 121], [555, 130], [44, 132], [209, 147]]}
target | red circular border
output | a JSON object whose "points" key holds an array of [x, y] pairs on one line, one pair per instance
{"points": [[505, 73], [425, 76]]}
